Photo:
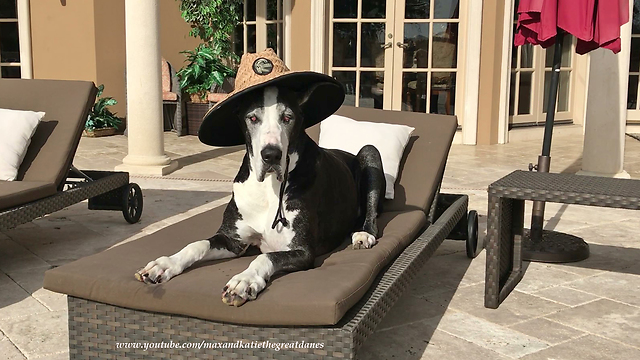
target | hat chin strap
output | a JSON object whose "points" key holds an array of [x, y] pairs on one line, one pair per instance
{"points": [[280, 213]]}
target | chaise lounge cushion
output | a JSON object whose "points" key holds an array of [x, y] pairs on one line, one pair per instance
{"points": [[13, 193], [319, 296]]}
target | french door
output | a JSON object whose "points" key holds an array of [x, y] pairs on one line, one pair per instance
{"points": [[530, 79], [261, 27], [396, 54]]}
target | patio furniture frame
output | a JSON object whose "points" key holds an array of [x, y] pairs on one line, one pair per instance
{"points": [[95, 328], [505, 220], [106, 190]]}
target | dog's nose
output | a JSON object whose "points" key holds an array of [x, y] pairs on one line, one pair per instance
{"points": [[271, 155]]}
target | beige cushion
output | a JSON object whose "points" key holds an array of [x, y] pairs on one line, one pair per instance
{"points": [[319, 296], [14, 193]]}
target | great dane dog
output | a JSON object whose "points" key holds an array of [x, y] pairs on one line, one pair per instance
{"points": [[319, 198]]}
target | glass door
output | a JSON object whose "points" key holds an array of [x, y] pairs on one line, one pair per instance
{"points": [[361, 50], [426, 56], [9, 44], [530, 78], [633, 108], [261, 27]]}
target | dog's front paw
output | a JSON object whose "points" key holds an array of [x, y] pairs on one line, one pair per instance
{"points": [[158, 271], [363, 240], [242, 288]]}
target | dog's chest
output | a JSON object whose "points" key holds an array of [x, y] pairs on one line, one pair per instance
{"points": [[257, 204]]}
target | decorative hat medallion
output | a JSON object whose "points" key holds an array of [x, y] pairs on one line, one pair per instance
{"points": [[262, 66]]}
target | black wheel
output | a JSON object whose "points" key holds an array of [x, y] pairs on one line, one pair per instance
{"points": [[132, 203], [472, 234]]}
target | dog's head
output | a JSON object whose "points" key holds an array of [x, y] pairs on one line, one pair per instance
{"points": [[272, 121]]}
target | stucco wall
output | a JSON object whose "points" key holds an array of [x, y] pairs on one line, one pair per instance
{"points": [[300, 34]]}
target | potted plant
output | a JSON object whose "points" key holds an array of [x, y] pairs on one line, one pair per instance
{"points": [[101, 121], [212, 61]]}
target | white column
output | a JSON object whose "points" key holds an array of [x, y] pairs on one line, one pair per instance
{"points": [[144, 91], [606, 115], [24, 37]]}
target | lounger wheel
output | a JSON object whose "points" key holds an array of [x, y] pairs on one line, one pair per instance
{"points": [[132, 203], [472, 234]]}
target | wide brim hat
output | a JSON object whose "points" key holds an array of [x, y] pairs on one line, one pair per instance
{"points": [[221, 126]]}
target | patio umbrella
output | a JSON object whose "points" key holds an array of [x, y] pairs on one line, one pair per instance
{"points": [[595, 24]]}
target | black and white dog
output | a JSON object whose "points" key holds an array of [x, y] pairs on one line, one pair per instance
{"points": [[319, 197]]}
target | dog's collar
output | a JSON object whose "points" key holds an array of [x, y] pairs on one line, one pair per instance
{"points": [[280, 218]]}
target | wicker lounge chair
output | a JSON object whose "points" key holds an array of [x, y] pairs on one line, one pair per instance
{"points": [[47, 182], [337, 304]]}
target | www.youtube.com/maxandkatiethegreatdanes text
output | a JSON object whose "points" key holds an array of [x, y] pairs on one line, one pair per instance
{"points": [[276, 346]]}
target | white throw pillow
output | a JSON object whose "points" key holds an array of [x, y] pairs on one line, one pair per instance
{"points": [[339, 132], [16, 129]]}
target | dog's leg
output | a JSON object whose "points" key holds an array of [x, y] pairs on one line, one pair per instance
{"points": [[246, 285], [371, 183], [220, 246]]}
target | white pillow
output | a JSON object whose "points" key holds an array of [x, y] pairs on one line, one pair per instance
{"points": [[339, 132], [16, 129]]}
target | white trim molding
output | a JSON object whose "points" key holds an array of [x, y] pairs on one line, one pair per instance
{"points": [[24, 37], [505, 73], [316, 40], [472, 72], [286, 21]]}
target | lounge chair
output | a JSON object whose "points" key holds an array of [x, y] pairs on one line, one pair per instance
{"points": [[171, 95], [337, 304], [47, 181]]}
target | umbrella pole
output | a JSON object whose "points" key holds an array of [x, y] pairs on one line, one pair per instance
{"points": [[538, 244]]}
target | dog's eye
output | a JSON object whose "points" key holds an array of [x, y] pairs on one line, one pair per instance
{"points": [[253, 118]]}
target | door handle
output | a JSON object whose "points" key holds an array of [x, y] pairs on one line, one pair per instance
{"points": [[387, 45], [401, 45]]}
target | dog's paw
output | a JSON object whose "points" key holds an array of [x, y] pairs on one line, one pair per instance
{"points": [[363, 240], [158, 271], [242, 288]]}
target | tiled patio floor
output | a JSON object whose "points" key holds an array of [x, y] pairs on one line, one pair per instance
{"points": [[586, 310]]}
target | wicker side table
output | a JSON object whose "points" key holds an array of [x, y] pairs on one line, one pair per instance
{"points": [[505, 219]]}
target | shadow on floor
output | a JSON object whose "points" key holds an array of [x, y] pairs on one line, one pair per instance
{"points": [[206, 155]]}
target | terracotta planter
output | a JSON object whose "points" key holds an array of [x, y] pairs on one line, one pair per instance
{"points": [[99, 132], [195, 113]]}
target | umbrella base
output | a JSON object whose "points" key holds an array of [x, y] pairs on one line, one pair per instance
{"points": [[554, 247]]}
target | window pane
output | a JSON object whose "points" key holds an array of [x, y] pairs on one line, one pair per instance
{"points": [[566, 52], [446, 9], [272, 37], [443, 91], [272, 9], [251, 10], [524, 101], [417, 9], [9, 47], [372, 40], [238, 40], [8, 9], [374, 9], [348, 80], [371, 89], [10, 72], [563, 91], [632, 96], [416, 50], [344, 44], [635, 21], [345, 9], [526, 56], [512, 94], [414, 92], [634, 61], [445, 45], [251, 38]]}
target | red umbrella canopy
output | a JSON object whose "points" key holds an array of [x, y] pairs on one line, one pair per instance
{"points": [[595, 23]]}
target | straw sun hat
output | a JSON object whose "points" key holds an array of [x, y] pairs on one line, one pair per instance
{"points": [[221, 126]]}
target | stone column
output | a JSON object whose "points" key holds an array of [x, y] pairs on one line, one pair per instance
{"points": [[144, 91], [606, 115]]}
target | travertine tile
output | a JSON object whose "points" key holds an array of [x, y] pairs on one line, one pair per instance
{"points": [[588, 347], [547, 330], [16, 302], [605, 318], [612, 285], [540, 276], [566, 295], [38, 335], [8, 351]]}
